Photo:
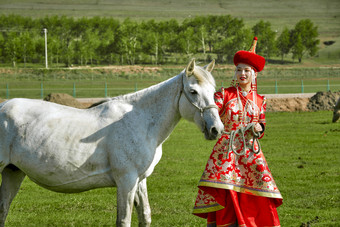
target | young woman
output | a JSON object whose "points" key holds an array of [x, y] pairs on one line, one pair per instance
{"points": [[237, 187]]}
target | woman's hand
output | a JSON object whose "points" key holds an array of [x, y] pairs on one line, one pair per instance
{"points": [[258, 128]]}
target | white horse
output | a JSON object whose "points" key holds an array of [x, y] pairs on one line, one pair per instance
{"points": [[115, 144]]}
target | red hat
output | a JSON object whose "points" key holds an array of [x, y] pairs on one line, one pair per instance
{"points": [[250, 58]]}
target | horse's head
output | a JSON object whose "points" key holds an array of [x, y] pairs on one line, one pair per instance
{"points": [[197, 100]]}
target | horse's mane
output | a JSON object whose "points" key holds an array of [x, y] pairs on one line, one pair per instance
{"points": [[201, 75], [106, 100], [204, 76], [98, 103]]}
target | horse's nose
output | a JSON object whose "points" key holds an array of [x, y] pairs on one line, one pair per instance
{"points": [[214, 132]]}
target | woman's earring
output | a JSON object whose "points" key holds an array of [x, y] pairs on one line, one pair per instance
{"points": [[253, 81], [253, 75]]}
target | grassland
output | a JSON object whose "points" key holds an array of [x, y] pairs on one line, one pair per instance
{"points": [[279, 13], [302, 153], [85, 83], [324, 14]]}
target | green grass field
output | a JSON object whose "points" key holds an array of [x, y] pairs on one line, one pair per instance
{"points": [[36, 83], [301, 150], [97, 89]]}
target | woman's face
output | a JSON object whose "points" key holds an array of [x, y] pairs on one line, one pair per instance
{"points": [[244, 74]]}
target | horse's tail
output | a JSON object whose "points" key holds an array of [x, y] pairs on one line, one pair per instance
{"points": [[4, 154], [3, 103], [337, 105], [336, 112]]}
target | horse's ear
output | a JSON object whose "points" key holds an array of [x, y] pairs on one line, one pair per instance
{"points": [[210, 66], [190, 68]]}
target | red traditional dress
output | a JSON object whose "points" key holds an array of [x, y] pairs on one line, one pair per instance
{"points": [[238, 189]]}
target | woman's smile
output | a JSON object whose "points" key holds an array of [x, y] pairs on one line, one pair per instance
{"points": [[244, 76]]}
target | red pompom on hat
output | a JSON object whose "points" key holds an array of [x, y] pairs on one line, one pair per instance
{"points": [[250, 58]]}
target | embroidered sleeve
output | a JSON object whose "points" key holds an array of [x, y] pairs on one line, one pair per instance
{"points": [[262, 117], [219, 98]]}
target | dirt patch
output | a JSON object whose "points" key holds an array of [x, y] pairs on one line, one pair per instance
{"points": [[64, 99], [323, 101], [287, 104], [319, 101], [124, 69]]}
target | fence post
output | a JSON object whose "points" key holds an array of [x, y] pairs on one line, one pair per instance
{"points": [[105, 89], [328, 86], [302, 88], [276, 89], [7, 91], [136, 87], [41, 91], [74, 90]]}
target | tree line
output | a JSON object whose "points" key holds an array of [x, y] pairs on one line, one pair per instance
{"points": [[101, 40]]}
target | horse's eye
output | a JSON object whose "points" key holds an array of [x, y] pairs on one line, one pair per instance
{"points": [[193, 92]]}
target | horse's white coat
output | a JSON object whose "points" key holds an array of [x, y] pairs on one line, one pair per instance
{"points": [[117, 143]]}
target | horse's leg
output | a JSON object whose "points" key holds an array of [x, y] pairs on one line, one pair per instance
{"points": [[12, 178], [126, 189], [142, 204]]}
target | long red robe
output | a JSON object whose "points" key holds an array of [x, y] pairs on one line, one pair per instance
{"points": [[238, 190]]}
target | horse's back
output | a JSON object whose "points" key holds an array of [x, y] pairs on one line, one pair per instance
{"points": [[48, 142], [26, 119], [20, 109]]}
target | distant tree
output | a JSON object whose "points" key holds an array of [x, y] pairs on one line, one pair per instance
{"points": [[230, 45], [2, 47], [202, 37], [67, 39], [78, 49], [308, 33], [201, 34], [91, 42], [215, 33], [266, 35], [105, 50], [13, 47], [27, 46], [78, 27], [220, 28], [152, 39], [128, 43], [233, 37], [187, 42], [283, 43], [298, 48], [54, 49], [39, 49], [170, 29], [108, 37]]}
